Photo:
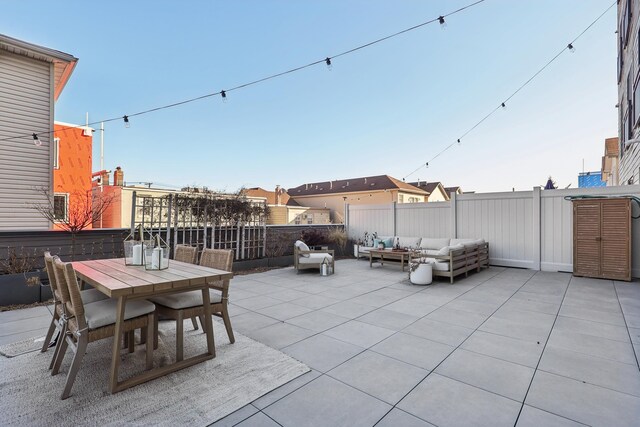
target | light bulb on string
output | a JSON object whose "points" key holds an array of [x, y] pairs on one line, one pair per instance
{"points": [[443, 23], [571, 48], [503, 105], [328, 62], [223, 94], [126, 121], [36, 140], [459, 141]]}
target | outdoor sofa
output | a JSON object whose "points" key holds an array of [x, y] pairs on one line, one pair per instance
{"points": [[449, 257]]}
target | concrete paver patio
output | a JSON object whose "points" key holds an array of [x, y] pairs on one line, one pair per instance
{"points": [[501, 347]]}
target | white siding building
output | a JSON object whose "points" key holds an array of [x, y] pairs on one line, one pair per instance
{"points": [[31, 79]]}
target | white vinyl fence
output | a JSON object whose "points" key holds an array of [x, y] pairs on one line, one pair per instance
{"points": [[529, 229]]}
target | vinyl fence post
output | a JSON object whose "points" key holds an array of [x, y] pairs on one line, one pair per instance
{"points": [[394, 217], [454, 216], [537, 228]]}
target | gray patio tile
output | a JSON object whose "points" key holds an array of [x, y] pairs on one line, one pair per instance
{"points": [[446, 402], [608, 306], [522, 295], [318, 320], [284, 311], [634, 333], [522, 330], [388, 319], [236, 417], [498, 376], [524, 316], [280, 335], [34, 324], [257, 302], [514, 350], [258, 420], [359, 333], [25, 313], [585, 403], [417, 351], [348, 309], [413, 306], [445, 333], [321, 352], [381, 297], [315, 302], [379, 376], [457, 317], [472, 306], [240, 294], [288, 295], [594, 370], [534, 417], [593, 346], [257, 287], [21, 336], [397, 418], [520, 303], [315, 288], [327, 402], [593, 315], [277, 394], [598, 329], [632, 321], [247, 322]]}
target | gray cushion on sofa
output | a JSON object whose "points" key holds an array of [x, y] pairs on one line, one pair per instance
{"points": [[103, 313]]}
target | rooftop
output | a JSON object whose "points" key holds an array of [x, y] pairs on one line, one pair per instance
{"points": [[367, 183]]}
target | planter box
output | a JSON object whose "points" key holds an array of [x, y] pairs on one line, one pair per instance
{"points": [[14, 289], [281, 261]]}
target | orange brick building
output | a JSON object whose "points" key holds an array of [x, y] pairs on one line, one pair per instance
{"points": [[72, 156]]}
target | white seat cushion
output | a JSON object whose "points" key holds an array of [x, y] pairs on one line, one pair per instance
{"points": [[316, 258], [439, 265], [364, 249], [103, 313], [92, 295], [407, 242], [186, 299], [302, 246]]}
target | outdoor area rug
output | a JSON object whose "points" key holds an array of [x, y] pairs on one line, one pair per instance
{"points": [[199, 395]]}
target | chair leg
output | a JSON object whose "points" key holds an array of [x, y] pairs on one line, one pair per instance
{"points": [[179, 337], [52, 328], [227, 323], [75, 366], [143, 334], [149, 340], [155, 331], [194, 322], [62, 333], [201, 317], [132, 340], [59, 357]]}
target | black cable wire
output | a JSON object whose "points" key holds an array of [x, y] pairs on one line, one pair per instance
{"points": [[503, 103], [273, 76]]}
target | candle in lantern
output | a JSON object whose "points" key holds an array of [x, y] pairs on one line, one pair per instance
{"points": [[155, 258], [137, 254]]}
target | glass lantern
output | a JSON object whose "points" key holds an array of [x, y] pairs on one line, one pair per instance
{"points": [[134, 246], [156, 255]]}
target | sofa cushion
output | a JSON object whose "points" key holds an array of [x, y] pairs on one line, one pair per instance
{"points": [[438, 264], [302, 246], [388, 243], [456, 247], [186, 299], [103, 313], [316, 258], [430, 243], [467, 242], [376, 242], [409, 242]]}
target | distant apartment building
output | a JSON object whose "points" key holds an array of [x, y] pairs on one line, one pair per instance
{"points": [[72, 155], [437, 191], [610, 161], [629, 91], [590, 180], [31, 80], [334, 195], [284, 210]]}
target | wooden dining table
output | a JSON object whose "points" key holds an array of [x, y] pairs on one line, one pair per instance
{"points": [[117, 280]]}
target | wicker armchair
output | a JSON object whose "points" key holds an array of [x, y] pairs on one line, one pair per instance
{"points": [[185, 253], [303, 257], [189, 304], [94, 321]]}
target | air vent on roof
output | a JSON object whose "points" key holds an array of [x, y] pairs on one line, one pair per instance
{"points": [[365, 180], [347, 183], [373, 183]]}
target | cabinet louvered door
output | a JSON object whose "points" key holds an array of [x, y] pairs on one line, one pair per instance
{"points": [[586, 238], [616, 239], [602, 238]]}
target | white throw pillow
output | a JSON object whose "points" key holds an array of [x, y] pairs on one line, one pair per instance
{"points": [[408, 242], [302, 246]]}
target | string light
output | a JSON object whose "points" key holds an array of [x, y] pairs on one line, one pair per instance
{"points": [[223, 94], [273, 76], [328, 62], [522, 86], [126, 121], [36, 140], [458, 141], [571, 48], [443, 23]]}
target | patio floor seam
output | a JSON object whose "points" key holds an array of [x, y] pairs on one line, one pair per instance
{"points": [[615, 289]]}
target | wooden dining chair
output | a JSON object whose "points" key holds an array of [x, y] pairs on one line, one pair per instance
{"points": [[188, 304], [58, 315], [94, 321]]}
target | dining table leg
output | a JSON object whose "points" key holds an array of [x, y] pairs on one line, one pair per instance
{"points": [[117, 339], [208, 323]]}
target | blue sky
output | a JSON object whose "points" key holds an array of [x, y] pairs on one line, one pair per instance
{"points": [[386, 109]]}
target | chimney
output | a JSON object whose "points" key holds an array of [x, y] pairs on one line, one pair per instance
{"points": [[104, 177], [278, 193], [330, 185], [118, 177]]}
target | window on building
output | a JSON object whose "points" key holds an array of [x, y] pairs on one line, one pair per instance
{"points": [[309, 218], [400, 198], [56, 153], [297, 220], [625, 23], [414, 200], [60, 206]]}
